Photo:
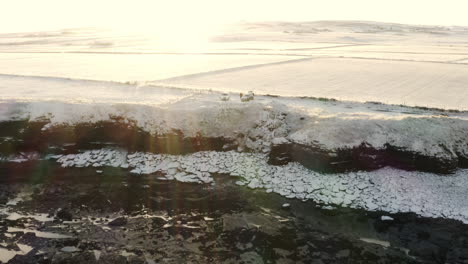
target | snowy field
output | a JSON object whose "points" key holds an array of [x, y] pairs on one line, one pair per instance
{"points": [[391, 82], [126, 67], [356, 61]]}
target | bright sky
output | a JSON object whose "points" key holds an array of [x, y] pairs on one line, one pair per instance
{"points": [[203, 15]]}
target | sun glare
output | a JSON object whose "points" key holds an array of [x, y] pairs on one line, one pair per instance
{"points": [[195, 17]]}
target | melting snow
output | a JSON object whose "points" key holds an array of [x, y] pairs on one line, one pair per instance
{"points": [[387, 189], [37, 233], [6, 255]]}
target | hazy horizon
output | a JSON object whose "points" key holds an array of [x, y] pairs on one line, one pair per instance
{"points": [[208, 16]]}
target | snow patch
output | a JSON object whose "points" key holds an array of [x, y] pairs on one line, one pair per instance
{"points": [[386, 189]]}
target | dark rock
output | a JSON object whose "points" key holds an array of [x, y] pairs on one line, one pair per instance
{"points": [[266, 224], [113, 259], [120, 221], [362, 157], [31, 137], [251, 258], [462, 160], [343, 253], [64, 215], [81, 257], [424, 249], [280, 154]]}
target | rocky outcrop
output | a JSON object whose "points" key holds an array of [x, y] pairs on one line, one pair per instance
{"points": [[362, 157], [21, 136], [25, 136]]}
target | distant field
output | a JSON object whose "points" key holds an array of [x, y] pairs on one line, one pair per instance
{"points": [[345, 60], [394, 82], [124, 67]]}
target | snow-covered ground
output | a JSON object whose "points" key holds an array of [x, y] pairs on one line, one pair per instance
{"points": [[346, 60], [161, 90], [266, 120], [126, 67], [353, 79]]}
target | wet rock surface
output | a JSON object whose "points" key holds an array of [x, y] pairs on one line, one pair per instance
{"points": [[39, 136], [76, 215], [363, 157]]}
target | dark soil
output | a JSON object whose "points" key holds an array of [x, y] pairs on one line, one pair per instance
{"points": [[137, 219]]}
